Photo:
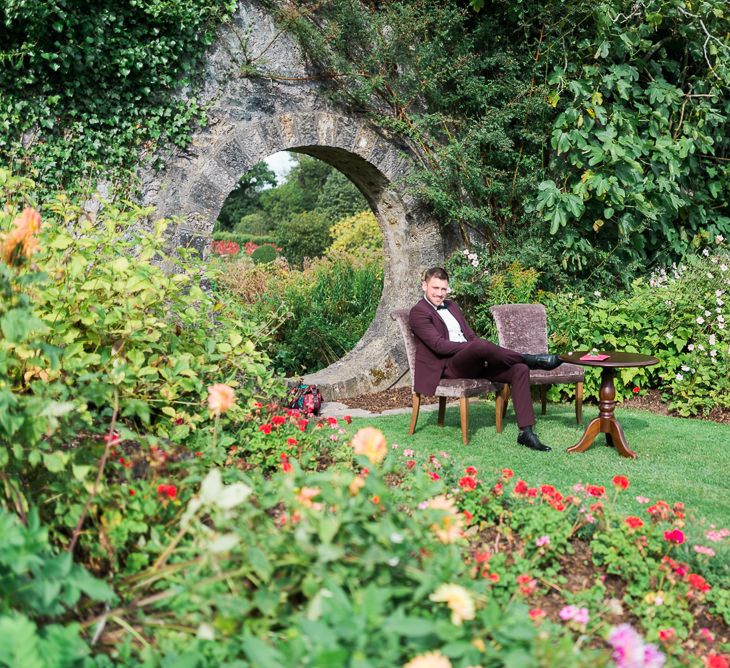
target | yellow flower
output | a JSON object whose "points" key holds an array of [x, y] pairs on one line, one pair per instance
{"points": [[458, 599], [370, 442], [22, 238], [429, 660], [449, 528], [220, 398]]}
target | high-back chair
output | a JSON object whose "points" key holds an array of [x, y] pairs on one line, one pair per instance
{"points": [[523, 328], [458, 388]]}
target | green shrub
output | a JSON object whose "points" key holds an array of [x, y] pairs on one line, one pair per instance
{"points": [[264, 254], [679, 316], [304, 235], [242, 239], [357, 235]]}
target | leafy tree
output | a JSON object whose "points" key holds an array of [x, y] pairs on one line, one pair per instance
{"points": [[339, 197], [243, 201], [304, 235]]}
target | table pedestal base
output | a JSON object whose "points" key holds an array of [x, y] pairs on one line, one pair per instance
{"points": [[606, 422]]}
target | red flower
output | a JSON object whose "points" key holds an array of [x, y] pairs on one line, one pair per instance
{"points": [[527, 584], [198, 454], [521, 487], [548, 490], [278, 419], [596, 507], [698, 582], [498, 489], [659, 511], [468, 516], [507, 473], [347, 419], [265, 428], [179, 421], [132, 492], [302, 424], [494, 577], [468, 483], [532, 492], [434, 475], [332, 421], [595, 490], [620, 481], [634, 522], [665, 635], [375, 499], [112, 438], [481, 556], [636, 390], [537, 614], [291, 441], [674, 536], [713, 660], [410, 464], [470, 470], [170, 491]]}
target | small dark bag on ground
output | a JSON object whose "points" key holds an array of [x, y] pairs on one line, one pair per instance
{"points": [[306, 398]]}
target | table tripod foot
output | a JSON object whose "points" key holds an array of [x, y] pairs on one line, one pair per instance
{"points": [[589, 435], [619, 440]]}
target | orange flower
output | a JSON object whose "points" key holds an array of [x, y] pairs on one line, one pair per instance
{"points": [[220, 398], [371, 443], [21, 241], [449, 528]]}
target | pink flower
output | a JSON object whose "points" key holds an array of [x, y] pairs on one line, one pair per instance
{"points": [[408, 452], [629, 650], [674, 536], [642, 499], [542, 540], [701, 549], [666, 635], [717, 536], [567, 613], [220, 398]]}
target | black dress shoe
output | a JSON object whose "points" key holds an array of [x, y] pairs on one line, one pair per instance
{"points": [[529, 438], [545, 362]]}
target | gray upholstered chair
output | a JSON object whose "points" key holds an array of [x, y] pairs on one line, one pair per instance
{"points": [[523, 327], [457, 388]]}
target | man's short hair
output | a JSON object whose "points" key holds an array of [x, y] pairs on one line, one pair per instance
{"points": [[436, 272]]}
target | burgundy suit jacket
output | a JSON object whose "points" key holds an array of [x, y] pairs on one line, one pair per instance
{"points": [[433, 348]]}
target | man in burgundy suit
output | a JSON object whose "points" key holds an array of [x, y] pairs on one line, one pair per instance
{"points": [[446, 347]]}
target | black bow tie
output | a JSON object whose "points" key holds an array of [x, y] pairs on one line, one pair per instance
{"points": [[441, 306]]}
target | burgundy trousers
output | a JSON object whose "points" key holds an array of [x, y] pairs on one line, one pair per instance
{"points": [[503, 365]]}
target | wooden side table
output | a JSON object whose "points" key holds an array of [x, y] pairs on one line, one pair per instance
{"points": [[606, 422]]}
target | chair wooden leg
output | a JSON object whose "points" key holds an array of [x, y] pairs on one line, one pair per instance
{"points": [[543, 398], [414, 413], [499, 410], [579, 403], [507, 391], [464, 414], [442, 411]]}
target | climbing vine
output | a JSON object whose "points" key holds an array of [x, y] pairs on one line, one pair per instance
{"points": [[89, 88], [594, 133]]}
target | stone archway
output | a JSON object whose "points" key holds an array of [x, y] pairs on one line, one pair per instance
{"points": [[252, 118]]}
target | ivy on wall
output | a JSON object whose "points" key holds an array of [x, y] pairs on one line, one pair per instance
{"points": [[86, 88]]}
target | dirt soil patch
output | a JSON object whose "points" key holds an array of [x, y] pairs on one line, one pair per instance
{"points": [[401, 397]]}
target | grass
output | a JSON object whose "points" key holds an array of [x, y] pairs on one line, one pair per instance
{"points": [[678, 459]]}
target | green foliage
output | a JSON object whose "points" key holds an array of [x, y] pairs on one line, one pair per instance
{"points": [[633, 103], [242, 239], [38, 586], [357, 235], [264, 254], [244, 199], [92, 85], [678, 316], [304, 235]]}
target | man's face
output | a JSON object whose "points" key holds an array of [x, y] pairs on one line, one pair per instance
{"points": [[435, 290]]}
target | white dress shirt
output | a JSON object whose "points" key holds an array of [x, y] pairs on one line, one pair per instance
{"points": [[452, 324]]}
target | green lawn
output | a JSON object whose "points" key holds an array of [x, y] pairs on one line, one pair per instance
{"points": [[678, 459]]}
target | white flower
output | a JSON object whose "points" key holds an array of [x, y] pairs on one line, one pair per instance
{"points": [[719, 293], [720, 318], [475, 263], [458, 599], [719, 239], [720, 302], [597, 293], [700, 320], [713, 353], [711, 340], [669, 335], [723, 267], [691, 346], [721, 326], [679, 376], [685, 367], [706, 252], [708, 314], [700, 346], [710, 275]]}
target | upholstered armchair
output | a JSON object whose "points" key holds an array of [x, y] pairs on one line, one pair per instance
{"points": [[457, 388], [523, 327]]}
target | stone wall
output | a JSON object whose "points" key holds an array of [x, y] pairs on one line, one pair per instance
{"points": [[285, 108]]}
